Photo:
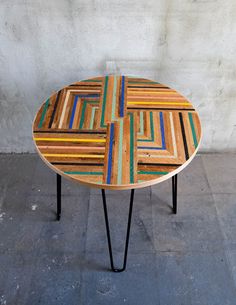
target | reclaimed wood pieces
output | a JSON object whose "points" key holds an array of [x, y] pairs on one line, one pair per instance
{"points": [[117, 132]]}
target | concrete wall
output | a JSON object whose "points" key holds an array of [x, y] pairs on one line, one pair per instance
{"points": [[187, 44]]}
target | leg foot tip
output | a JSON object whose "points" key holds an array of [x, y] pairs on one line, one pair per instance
{"points": [[118, 270]]}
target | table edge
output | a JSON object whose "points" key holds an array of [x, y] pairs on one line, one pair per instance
{"points": [[115, 186]]}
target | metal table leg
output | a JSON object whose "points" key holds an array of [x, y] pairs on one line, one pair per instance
{"points": [[108, 231], [174, 193], [174, 197], [58, 197]]}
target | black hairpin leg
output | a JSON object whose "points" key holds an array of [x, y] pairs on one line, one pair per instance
{"points": [[58, 197], [174, 193], [108, 231]]}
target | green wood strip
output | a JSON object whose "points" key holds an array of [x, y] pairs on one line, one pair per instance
{"points": [[84, 173], [43, 113], [152, 173], [141, 123], [148, 83], [193, 129], [83, 112], [131, 148], [119, 176], [92, 80], [82, 115], [152, 130], [104, 102], [114, 99], [152, 126]]}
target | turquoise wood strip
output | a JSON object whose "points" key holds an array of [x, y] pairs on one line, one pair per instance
{"points": [[152, 173], [152, 126], [131, 148], [193, 129], [84, 173], [43, 113], [104, 102]]}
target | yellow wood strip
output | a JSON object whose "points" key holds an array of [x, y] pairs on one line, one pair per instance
{"points": [[159, 103], [69, 140], [74, 155]]}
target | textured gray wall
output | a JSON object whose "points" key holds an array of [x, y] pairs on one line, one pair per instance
{"points": [[187, 44]]}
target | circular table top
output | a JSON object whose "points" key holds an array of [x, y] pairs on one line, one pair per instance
{"points": [[117, 132]]}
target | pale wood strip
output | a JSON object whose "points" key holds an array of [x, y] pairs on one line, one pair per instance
{"points": [[77, 114], [60, 105], [108, 109]]}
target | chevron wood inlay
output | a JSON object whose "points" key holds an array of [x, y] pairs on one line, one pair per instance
{"points": [[117, 132]]}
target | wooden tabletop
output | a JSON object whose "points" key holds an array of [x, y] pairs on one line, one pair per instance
{"points": [[117, 132]]}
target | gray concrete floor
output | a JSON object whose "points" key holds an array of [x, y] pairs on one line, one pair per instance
{"points": [[188, 258]]}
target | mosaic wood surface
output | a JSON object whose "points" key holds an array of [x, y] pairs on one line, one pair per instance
{"points": [[117, 132]]}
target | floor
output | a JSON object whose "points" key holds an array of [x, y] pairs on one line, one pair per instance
{"points": [[183, 259]]}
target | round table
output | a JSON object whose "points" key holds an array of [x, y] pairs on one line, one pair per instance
{"points": [[117, 132]]}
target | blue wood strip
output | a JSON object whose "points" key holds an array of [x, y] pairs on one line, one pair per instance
{"points": [[162, 131], [122, 99], [73, 111], [110, 154]]}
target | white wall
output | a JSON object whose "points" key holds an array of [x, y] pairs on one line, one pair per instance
{"points": [[187, 44]]}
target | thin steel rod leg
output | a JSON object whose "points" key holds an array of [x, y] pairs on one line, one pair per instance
{"points": [[58, 197], [127, 232], [174, 193]]}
